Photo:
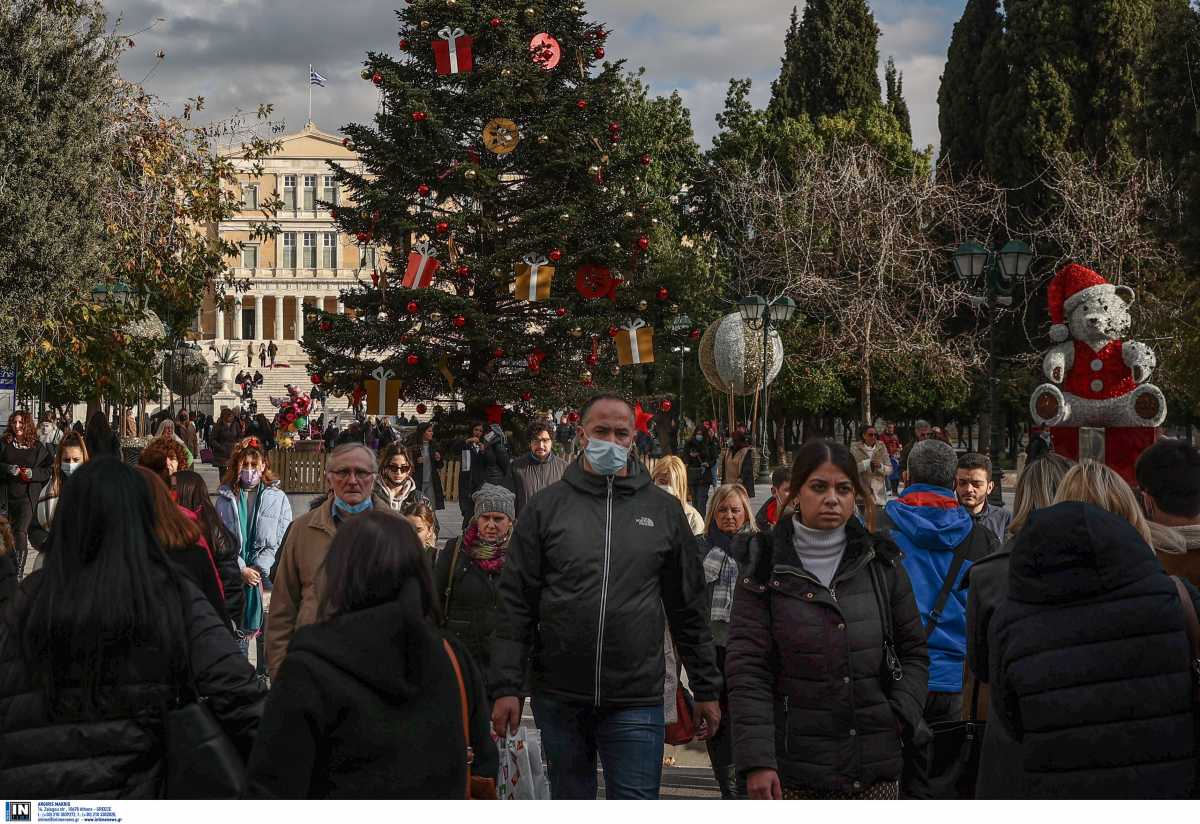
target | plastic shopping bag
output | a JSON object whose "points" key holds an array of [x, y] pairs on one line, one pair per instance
{"points": [[537, 764], [519, 779]]}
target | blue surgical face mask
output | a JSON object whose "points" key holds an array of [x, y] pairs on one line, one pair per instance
{"points": [[68, 468], [606, 457], [353, 509]]}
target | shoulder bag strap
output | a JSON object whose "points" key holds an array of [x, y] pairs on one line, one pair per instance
{"points": [[466, 721], [960, 558], [450, 578], [883, 602], [1192, 623]]}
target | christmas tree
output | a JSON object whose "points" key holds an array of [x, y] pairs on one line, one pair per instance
{"points": [[518, 219]]}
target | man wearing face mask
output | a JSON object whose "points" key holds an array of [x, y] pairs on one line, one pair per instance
{"points": [[595, 564], [299, 582]]}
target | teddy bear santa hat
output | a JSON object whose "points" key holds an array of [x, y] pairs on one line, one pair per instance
{"points": [[1072, 286]]}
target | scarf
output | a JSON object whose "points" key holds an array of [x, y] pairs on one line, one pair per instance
{"points": [[721, 571], [397, 498], [252, 614], [487, 555]]}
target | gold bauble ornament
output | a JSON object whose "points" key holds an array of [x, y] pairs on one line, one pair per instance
{"points": [[470, 174], [452, 3], [674, 308], [501, 136], [630, 215], [585, 376], [616, 371], [617, 247], [435, 317], [653, 221], [543, 139], [327, 378], [593, 170], [576, 332], [565, 217], [643, 305], [530, 13], [506, 72], [382, 316], [425, 24]]}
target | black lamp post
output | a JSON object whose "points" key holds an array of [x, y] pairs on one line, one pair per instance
{"points": [[681, 326], [997, 273], [759, 313]]}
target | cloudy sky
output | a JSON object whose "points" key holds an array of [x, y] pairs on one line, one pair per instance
{"points": [[239, 53]]}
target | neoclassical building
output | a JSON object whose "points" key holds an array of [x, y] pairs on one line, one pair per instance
{"points": [[308, 263]]}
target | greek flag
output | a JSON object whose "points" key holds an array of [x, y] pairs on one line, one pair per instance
{"points": [[315, 79]]}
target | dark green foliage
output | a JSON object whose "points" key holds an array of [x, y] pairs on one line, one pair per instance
{"points": [[974, 77], [783, 101], [896, 104]]}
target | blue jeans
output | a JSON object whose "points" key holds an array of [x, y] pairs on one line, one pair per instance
{"points": [[629, 742]]}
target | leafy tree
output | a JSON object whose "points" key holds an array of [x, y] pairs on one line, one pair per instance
{"points": [[580, 187], [896, 103], [975, 75]]}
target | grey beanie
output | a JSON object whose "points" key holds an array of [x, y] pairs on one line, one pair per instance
{"points": [[493, 498], [933, 462]]}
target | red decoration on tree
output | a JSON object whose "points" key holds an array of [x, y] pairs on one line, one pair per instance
{"points": [[374, 277], [599, 52], [362, 237], [643, 243], [527, 396], [663, 294], [423, 190], [422, 265], [535, 359], [556, 255], [666, 406], [594, 282], [452, 51], [413, 360], [326, 326], [694, 334], [561, 312], [422, 409], [346, 142], [495, 22], [316, 380], [376, 216], [333, 213], [377, 78], [403, 44], [581, 103], [460, 321], [642, 418], [647, 160], [494, 413], [443, 227], [572, 417], [419, 117], [613, 331], [463, 271], [497, 352], [412, 307]]}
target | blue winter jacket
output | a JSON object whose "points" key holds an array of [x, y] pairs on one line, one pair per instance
{"points": [[274, 518], [928, 524]]}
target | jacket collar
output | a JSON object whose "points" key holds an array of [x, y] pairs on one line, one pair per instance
{"points": [[861, 546], [322, 516], [590, 483]]}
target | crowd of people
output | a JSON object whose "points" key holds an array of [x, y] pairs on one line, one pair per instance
{"points": [[820, 645]]}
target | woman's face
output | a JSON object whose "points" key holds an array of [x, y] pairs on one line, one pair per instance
{"points": [[397, 469], [477, 431], [664, 480], [251, 461], [494, 525], [428, 539], [826, 499], [428, 434], [18, 425], [731, 515], [72, 455], [172, 464]]}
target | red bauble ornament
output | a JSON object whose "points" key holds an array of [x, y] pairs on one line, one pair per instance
{"points": [[326, 326], [423, 190], [614, 127], [666, 406], [556, 255], [413, 360], [497, 352], [460, 321], [561, 312], [599, 52], [419, 117], [613, 331], [443, 227], [592, 360], [643, 243], [463, 271], [316, 380], [377, 79], [412, 307], [581, 103], [647, 160], [422, 409], [362, 237], [663, 294], [572, 417], [615, 138], [527, 396], [694, 334], [403, 45], [495, 22]]}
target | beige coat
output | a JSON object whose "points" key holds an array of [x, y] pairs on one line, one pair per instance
{"points": [[299, 584], [874, 481]]}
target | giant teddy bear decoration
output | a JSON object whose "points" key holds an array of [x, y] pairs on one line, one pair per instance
{"points": [[1097, 378]]}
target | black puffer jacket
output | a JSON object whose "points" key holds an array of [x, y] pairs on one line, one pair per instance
{"points": [[1091, 662], [593, 565], [470, 613], [118, 752], [809, 690]]}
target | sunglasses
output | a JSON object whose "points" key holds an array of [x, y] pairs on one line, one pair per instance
{"points": [[399, 467]]}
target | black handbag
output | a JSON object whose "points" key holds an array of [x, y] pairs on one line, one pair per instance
{"points": [[955, 752], [202, 761]]}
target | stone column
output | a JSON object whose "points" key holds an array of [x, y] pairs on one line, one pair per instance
{"points": [[237, 318], [278, 319], [299, 317], [258, 316], [219, 315]]}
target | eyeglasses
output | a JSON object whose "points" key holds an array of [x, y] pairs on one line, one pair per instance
{"points": [[399, 468], [346, 474]]}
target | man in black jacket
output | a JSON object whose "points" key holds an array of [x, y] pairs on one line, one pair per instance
{"points": [[594, 564]]}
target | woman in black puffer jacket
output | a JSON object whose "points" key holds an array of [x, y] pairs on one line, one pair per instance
{"points": [[94, 651], [818, 709]]}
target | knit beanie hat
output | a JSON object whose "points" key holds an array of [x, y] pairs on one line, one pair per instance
{"points": [[493, 498]]}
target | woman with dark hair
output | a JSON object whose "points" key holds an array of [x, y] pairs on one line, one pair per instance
{"points": [[261, 428], [25, 466], [427, 467], [367, 703], [827, 665], [178, 533], [72, 454], [95, 650], [225, 435], [701, 454], [191, 493], [101, 440], [737, 464], [395, 482]]}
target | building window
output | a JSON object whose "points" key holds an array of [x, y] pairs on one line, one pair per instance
{"points": [[329, 254], [331, 190], [310, 250], [289, 250], [310, 193], [250, 197], [367, 259], [250, 257], [289, 192]]}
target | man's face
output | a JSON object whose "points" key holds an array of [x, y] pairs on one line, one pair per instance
{"points": [[609, 421], [429, 434], [782, 491], [351, 476], [973, 487], [891, 429], [922, 433], [540, 445]]}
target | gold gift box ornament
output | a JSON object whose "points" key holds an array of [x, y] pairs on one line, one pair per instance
{"points": [[635, 343], [534, 275]]}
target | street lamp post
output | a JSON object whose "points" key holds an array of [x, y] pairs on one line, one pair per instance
{"points": [[680, 326], [759, 313], [998, 272]]}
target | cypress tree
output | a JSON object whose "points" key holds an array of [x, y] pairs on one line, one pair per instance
{"points": [[896, 103], [975, 75], [786, 91], [833, 65]]}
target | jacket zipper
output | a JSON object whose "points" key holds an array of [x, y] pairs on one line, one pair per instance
{"points": [[787, 729], [604, 587]]}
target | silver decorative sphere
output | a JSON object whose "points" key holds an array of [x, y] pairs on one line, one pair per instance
{"points": [[731, 356]]}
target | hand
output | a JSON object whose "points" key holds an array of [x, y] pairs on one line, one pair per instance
{"points": [[710, 719], [251, 576], [506, 716], [763, 785]]}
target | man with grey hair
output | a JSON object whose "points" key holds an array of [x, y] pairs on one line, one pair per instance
{"points": [[921, 430], [940, 541], [298, 583]]}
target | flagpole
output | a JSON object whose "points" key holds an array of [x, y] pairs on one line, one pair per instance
{"points": [[310, 92]]}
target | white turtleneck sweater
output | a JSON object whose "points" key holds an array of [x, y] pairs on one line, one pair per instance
{"points": [[820, 550]]}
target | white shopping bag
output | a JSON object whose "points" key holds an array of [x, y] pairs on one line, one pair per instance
{"points": [[519, 779], [537, 764]]}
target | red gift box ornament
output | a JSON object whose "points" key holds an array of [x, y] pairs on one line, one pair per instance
{"points": [[422, 266], [453, 51]]}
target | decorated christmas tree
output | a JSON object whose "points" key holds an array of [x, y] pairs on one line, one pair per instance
{"points": [[516, 221]]}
